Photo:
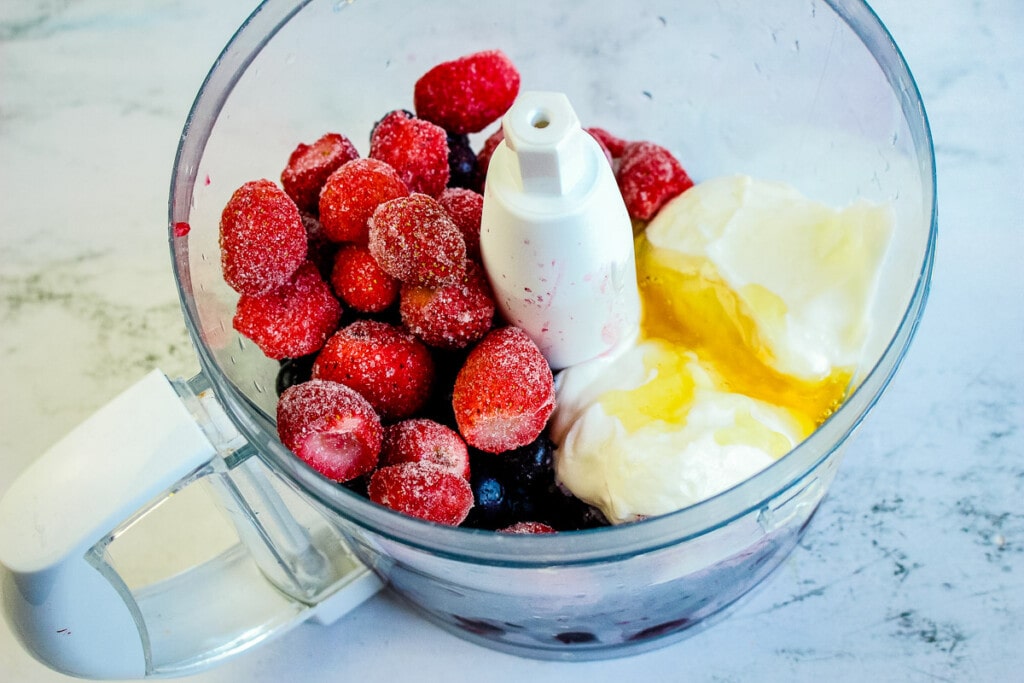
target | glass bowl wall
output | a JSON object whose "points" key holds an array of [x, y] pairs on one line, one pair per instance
{"points": [[814, 94]]}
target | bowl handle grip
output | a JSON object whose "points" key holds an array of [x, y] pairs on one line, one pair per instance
{"points": [[65, 599]]}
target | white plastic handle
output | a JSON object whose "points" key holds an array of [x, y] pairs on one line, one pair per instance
{"points": [[69, 606], [555, 235]]}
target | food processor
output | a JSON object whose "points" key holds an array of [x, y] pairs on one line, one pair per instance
{"points": [[813, 93]]}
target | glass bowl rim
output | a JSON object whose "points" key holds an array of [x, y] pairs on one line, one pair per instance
{"points": [[604, 544]]}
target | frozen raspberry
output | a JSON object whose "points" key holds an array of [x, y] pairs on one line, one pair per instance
{"points": [[262, 239], [528, 528], [453, 316], [310, 165], [423, 490], [614, 144], [465, 208], [292, 320], [331, 428], [462, 165], [415, 148], [415, 241], [423, 440], [504, 394], [352, 193], [386, 364], [467, 94], [483, 157], [649, 176], [360, 282]]}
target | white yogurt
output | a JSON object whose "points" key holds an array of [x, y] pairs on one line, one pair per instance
{"points": [[663, 424]]}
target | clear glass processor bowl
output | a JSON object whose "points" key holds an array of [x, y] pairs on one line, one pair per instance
{"points": [[811, 93]]}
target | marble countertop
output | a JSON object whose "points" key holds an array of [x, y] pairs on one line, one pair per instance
{"points": [[912, 570]]}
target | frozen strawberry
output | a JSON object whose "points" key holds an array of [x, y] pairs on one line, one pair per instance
{"points": [[465, 208], [528, 528], [423, 490], [453, 316], [331, 428], [483, 157], [385, 363], [467, 94], [262, 239], [648, 177], [310, 165], [504, 394], [415, 148], [614, 144], [360, 282], [423, 440], [415, 241], [352, 193], [462, 164], [292, 320]]}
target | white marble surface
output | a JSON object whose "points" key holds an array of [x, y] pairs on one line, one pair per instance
{"points": [[912, 571]]}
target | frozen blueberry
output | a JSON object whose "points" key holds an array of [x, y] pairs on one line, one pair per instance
{"points": [[462, 164], [294, 371], [532, 465], [575, 637], [446, 368], [358, 485], [520, 486], [492, 508], [566, 512]]}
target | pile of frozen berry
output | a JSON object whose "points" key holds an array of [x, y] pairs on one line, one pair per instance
{"points": [[363, 277]]}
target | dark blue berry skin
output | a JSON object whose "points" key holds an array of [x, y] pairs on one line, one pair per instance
{"points": [[462, 163], [519, 486], [446, 367], [566, 512], [294, 371], [574, 637], [358, 485], [490, 509]]}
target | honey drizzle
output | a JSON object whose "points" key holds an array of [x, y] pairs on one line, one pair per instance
{"points": [[687, 305]]}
